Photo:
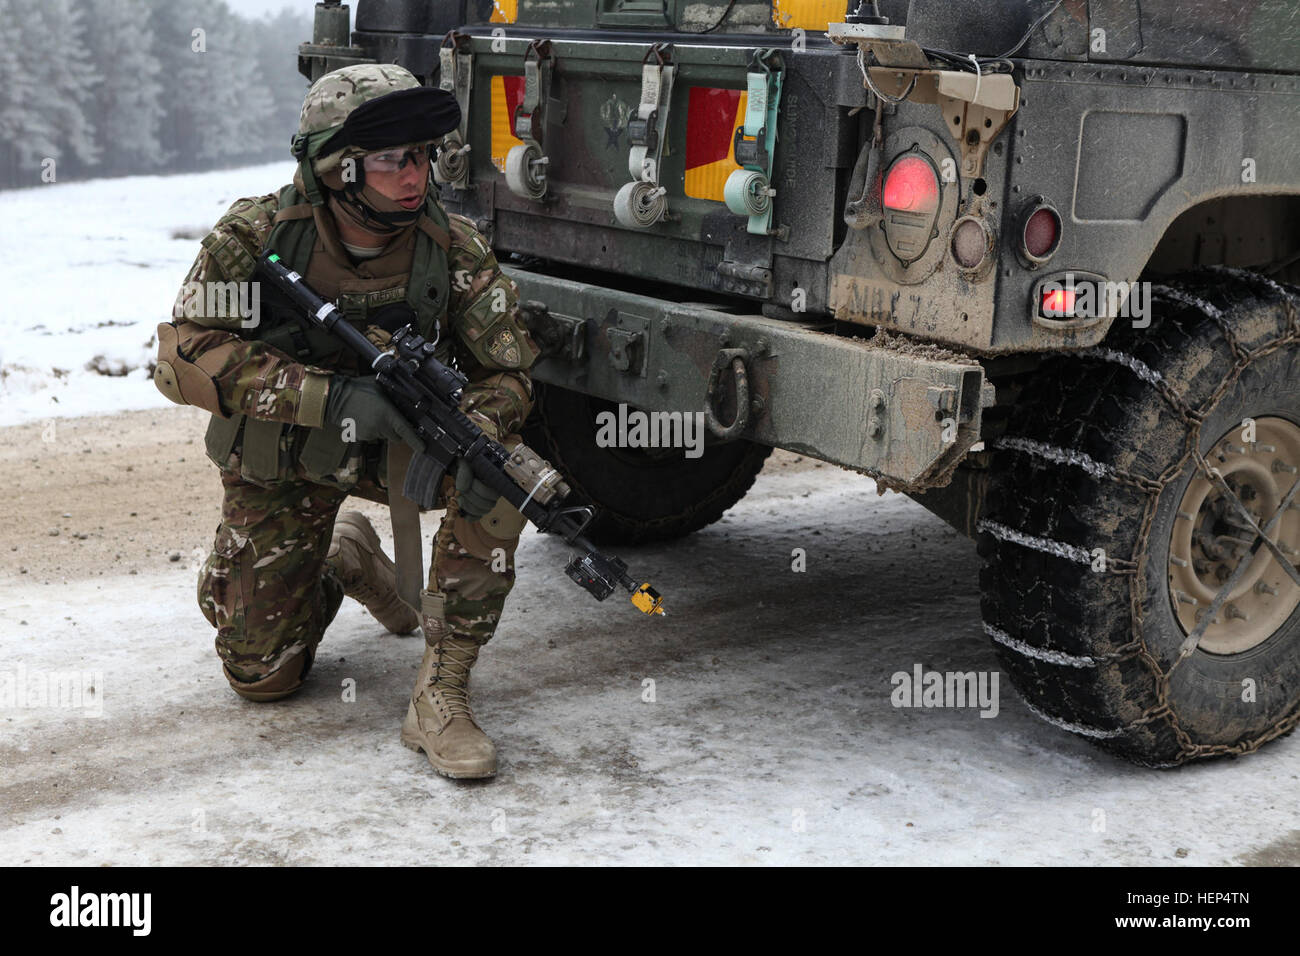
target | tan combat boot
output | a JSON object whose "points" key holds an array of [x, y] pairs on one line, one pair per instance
{"points": [[366, 573], [439, 720]]}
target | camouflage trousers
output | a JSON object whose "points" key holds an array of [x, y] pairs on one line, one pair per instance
{"points": [[268, 591]]}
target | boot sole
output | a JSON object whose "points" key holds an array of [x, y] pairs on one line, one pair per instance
{"points": [[367, 533], [456, 773]]}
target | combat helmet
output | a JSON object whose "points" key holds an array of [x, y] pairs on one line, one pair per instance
{"points": [[357, 109]]}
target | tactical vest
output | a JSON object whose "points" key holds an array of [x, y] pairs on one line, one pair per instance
{"points": [[270, 451]]}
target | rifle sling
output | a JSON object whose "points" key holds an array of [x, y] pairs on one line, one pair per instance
{"points": [[405, 516]]}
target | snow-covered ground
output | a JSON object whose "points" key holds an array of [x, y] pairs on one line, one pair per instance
{"points": [[770, 736], [91, 268]]}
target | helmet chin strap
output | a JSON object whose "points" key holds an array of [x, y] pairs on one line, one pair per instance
{"points": [[370, 209], [374, 212]]}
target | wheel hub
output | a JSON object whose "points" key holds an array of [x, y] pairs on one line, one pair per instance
{"points": [[1211, 537]]}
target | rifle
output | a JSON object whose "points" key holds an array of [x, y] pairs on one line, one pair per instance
{"points": [[428, 394]]}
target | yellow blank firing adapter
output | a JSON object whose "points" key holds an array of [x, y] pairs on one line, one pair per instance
{"points": [[648, 600]]}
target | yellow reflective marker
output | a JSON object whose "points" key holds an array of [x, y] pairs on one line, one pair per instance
{"points": [[806, 14], [504, 11], [507, 93], [647, 600]]}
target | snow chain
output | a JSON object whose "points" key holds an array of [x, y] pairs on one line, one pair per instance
{"points": [[1193, 418]]}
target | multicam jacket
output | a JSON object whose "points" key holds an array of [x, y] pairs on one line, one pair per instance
{"points": [[252, 371]]}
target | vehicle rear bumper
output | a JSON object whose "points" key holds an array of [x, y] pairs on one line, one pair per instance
{"points": [[904, 413]]}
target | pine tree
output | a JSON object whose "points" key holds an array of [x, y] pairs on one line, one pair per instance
{"points": [[185, 75], [54, 54], [133, 85], [127, 104], [30, 117], [276, 47], [236, 103], [17, 86]]}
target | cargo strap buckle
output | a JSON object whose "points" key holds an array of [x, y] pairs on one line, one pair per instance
{"points": [[642, 203], [748, 191], [530, 114], [526, 163], [456, 76]]}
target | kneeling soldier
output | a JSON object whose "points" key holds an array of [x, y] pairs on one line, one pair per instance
{"points": [[297, 426]]}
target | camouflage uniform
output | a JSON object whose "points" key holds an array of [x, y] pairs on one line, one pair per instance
{"points": [[264, 586]]}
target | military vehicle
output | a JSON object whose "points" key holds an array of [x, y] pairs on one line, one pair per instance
{"points": [[1027, 262]]}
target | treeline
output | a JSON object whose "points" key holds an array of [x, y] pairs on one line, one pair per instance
{"points": [[110, 87]]}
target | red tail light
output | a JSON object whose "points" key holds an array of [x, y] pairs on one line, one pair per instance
{"points": [[1040, 232], [911, 197], [911, 186], [1058, 302]]}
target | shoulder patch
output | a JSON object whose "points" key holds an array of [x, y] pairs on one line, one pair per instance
{"points": [[252, 219], [504, 348], [238, 237]]}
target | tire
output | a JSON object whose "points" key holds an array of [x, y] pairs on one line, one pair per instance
{"points": [[641, 495], [1098, 454]]}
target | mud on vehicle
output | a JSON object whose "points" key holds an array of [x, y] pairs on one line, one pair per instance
{"points": [[1030, 263]]}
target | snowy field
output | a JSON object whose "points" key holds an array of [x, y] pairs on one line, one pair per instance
{"points": [[93, 267]]}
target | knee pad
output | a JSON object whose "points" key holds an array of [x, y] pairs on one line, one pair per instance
{"points": [[281, 682]]}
